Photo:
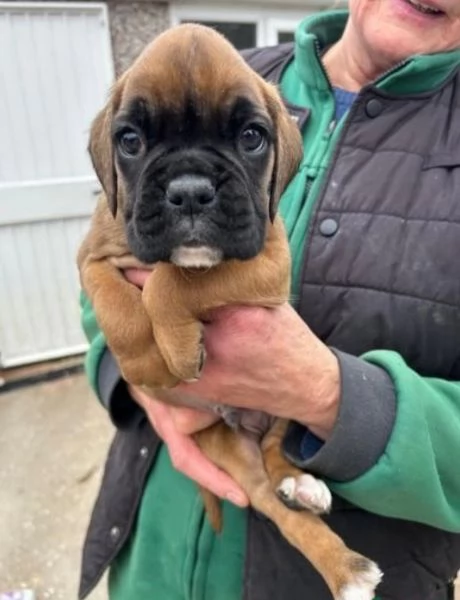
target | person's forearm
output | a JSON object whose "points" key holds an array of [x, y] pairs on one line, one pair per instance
{"points": [[365, 415], [415, 476], [320, 415]]}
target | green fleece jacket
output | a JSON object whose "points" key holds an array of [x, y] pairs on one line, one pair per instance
{"points": [[414, 476]]}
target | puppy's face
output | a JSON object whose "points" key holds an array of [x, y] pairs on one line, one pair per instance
{"points": [[196, 179], [194, 149]]}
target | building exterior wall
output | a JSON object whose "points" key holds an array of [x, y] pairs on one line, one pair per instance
{"points": [[132, 26], [134, 23]]}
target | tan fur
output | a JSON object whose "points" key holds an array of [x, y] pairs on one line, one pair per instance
{"points": [[155, 334]]}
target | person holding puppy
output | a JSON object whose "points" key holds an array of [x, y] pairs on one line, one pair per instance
{"points": [[364, 362]]}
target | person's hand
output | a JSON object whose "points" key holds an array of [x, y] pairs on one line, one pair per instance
{"points": [[137, 276], [175, 427], [269, 360]]}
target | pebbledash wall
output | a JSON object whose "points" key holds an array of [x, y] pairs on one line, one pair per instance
{"points": [[132, 26]]}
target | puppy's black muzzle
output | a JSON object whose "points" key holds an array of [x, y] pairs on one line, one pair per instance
{"points": [[195, 196]]}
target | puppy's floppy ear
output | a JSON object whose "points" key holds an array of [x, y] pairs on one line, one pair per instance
{"points": [[288, 147], [101, 150]]}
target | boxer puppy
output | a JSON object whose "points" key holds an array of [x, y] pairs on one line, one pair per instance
{"points": [[193, 151]]}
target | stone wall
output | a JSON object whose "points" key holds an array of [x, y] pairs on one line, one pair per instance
{"points": [[132, 26]]}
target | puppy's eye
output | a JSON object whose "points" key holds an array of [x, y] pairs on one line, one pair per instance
{"points": [[130, 143], [253, 139]]}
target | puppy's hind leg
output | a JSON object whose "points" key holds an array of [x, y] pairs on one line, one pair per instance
{"points": [[355, 576], [348, 575], [298, 490]]}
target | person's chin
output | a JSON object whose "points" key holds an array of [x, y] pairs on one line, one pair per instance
{"points": [[398, 36]]}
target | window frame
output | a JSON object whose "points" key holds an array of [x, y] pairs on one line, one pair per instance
{"points": [[201, 12], [266, 20], [276, 24]]}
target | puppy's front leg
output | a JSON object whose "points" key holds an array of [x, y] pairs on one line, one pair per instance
{"points": [[125, 324], [176, 300], [177, 330]]}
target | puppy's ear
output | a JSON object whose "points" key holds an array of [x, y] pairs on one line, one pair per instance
{"points": [[288, 148], [101, 151]]}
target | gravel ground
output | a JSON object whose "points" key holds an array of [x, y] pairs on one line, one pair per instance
{"points": [[53, 441]]}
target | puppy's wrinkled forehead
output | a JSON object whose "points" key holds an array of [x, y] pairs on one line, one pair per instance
{"points": [[188, 65]]}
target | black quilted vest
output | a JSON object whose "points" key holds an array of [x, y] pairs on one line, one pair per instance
{"points": [[392, 264]]}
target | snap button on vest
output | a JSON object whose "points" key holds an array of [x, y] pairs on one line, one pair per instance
{"points": [[373, 108], [328, 227], [115, 533]]}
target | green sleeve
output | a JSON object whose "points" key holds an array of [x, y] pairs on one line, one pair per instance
{"points": [[418, 475], [96, 339]]}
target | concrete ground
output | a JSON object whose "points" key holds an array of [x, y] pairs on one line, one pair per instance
{"points": [[53, 441]]}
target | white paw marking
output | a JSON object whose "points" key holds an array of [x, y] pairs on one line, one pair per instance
{"points": [[286, 488], [308, 492], [363, 584]]}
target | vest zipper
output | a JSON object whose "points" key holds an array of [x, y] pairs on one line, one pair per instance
{"points": [[399, 65], [311, 178], [318, 56], [308, 186]]}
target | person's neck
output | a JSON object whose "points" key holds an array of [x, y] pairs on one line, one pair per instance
{"points": [[350, 66]]}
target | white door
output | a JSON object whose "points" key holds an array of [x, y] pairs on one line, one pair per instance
{"points": [[55, 70]]}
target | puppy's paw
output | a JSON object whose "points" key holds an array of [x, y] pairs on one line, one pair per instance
{"points": [[146, 369], [363, 580], [305, 491]]}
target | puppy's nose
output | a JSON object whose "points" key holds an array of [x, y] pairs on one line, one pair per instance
{"points": [[190, 192]]}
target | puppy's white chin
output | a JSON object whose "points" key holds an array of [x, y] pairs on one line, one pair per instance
{"points": [[196, 257]]}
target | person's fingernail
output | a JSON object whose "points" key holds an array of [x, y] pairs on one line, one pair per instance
{"points": [[237, 499]]}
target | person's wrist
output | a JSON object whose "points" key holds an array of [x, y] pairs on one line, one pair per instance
{"points": [[318, 405]]}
